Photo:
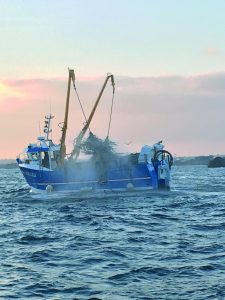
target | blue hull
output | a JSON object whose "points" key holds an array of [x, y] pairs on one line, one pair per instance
{"points": [[83, 176]]}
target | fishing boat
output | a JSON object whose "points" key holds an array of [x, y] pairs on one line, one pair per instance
{"points": [[46, 166]]}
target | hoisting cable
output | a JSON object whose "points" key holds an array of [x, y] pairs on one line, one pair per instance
{"points": [[110, 117], [80, 104]]}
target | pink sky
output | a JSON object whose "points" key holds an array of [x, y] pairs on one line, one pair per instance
{"points": [[187, 113]]}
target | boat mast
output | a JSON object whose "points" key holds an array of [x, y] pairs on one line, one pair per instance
{"points": [[64, 128], [76, 151], [47, 128]]}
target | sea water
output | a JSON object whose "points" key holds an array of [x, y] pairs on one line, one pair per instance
{"points": [[159, 245]]}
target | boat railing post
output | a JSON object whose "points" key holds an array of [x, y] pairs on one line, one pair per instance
{"points": [[50, 159]]}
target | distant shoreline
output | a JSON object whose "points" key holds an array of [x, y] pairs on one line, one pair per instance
{"points": [[194, 160], [7, 161], [8, 165]]}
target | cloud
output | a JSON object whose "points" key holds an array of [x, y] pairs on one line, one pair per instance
{"points": [[186, 112], [211, 51], [8, 96]]}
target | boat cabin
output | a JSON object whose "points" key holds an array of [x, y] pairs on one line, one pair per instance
{"points": [[42, 155]]}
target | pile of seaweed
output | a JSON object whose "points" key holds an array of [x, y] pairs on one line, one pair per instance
{"points": [[102, 152], [96, 146]]}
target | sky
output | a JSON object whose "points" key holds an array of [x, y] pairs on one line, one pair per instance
{"points": [[167, 56]]}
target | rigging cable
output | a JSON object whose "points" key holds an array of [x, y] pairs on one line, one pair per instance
{"points": [[80, 104], [110, 117]]}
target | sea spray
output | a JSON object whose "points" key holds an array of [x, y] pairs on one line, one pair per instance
{"points": [[104, 156]]}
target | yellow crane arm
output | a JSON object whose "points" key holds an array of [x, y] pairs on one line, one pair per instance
{"points": [[64, 128]]}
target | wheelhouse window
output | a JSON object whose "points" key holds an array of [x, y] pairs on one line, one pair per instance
{"points": [[34, 156]]}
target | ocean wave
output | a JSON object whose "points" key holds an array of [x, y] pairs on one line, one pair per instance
{"points": [[157, 245]]}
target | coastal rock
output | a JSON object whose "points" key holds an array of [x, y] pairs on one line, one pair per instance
{"points": [[217, 162]]}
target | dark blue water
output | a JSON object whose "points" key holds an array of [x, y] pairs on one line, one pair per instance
{"points": [[151, 246]]}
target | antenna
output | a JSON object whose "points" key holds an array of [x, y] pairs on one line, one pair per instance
{"points": [[39, 127], [50, 115], [50, 107]]}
